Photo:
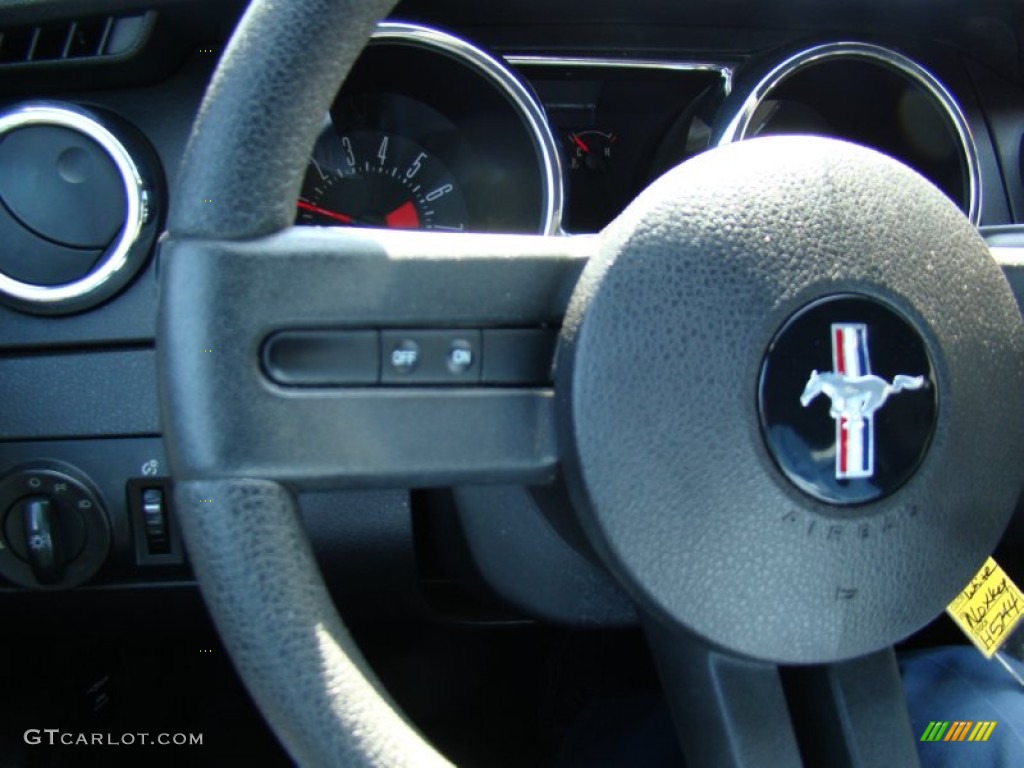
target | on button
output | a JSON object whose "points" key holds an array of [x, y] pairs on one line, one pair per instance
{"points": [[460, 356]]}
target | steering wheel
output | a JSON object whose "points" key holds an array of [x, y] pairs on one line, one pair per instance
{"points": [[764, 540]]}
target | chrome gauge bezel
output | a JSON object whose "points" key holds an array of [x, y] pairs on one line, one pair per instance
{"points": [[522, 100], [737, 125], [724, 71]]}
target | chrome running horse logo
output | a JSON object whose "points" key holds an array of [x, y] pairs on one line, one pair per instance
{"points": [[857, 398], [856, 394]]}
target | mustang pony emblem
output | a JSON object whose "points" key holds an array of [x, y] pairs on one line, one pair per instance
{"points": [[856, 394], [855, 398]]}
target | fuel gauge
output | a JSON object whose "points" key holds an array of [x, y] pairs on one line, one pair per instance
{"points": [[591, 150]]}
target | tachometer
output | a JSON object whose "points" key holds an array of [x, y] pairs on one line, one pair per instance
{"points": [[376, 179], [430, 132]]}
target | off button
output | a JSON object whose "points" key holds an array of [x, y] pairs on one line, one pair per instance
{"points": [[404, 357]]}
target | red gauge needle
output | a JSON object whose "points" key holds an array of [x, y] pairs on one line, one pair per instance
{"points": [[579, 143], [403, 217], [303, 205]]}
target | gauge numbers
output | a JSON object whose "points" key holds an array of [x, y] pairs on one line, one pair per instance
{"points": [[376, 179]]}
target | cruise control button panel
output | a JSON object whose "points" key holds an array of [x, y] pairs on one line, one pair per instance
{"points": [[430, 357], [507, 357]]}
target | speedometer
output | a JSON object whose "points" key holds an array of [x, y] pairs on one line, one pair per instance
{"points": [[375, 179]]}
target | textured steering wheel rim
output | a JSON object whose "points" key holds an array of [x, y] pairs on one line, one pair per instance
{"points": [[242, 170]]}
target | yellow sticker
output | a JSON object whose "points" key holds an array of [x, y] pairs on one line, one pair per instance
{"points": [[988, 609]]}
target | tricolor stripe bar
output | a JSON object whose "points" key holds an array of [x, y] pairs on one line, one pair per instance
{"points": [[850, 349], [855, 455]]}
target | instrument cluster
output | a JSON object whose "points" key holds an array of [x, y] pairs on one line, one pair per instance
{"points": [[430, 132]]}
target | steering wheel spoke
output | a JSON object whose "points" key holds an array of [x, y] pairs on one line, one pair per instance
{"points": [[349, 300], [727, 711], [852, 712], [735, 712]]}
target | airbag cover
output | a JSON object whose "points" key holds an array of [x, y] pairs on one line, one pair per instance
{"points": [[657, 386]]}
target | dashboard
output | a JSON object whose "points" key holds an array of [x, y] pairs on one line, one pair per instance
{"points": [[484, 609], [529, 118]]}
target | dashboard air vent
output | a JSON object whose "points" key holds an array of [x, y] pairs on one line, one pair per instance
{"points": [[78, 39]]}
